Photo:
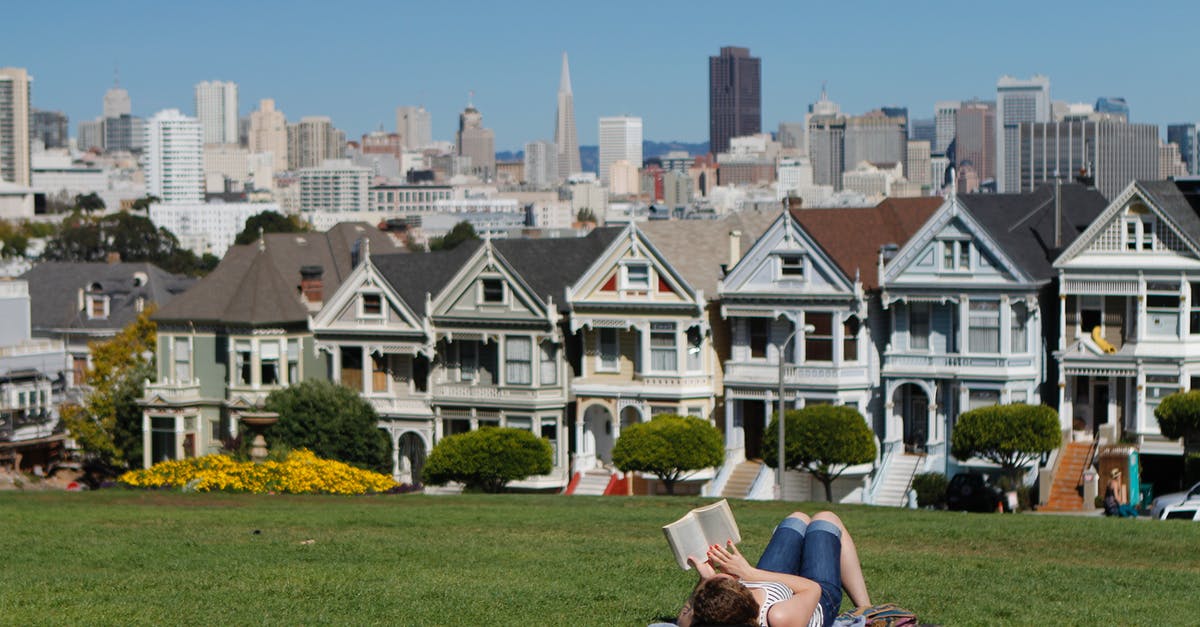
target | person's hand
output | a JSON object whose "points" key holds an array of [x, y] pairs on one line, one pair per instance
{"points": [[703, 567], [729, 560]]}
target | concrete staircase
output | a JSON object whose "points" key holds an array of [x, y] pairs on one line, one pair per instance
{"points": [[741, 479], [592, 483], [893, 492], [1065, 493]]}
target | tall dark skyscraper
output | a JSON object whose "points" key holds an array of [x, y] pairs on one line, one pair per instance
{"points": [[734, 97]]}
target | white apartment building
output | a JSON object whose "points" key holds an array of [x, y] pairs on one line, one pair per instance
{"points": [[239, 166], [871, 180], [337, 185], [173, 157], [620, 139], [623, 178], [541, 163], [217, 110], [55, 173], [15, 147], [207, 228], [794, 174]]}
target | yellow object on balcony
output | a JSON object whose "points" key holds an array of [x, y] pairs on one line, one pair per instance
{"points": [[1101, 342]]}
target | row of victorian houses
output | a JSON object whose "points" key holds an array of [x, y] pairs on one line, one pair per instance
{"points": [[912, 311]]}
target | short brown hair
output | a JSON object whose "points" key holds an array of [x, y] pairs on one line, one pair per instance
{"points": [[725, 601]]}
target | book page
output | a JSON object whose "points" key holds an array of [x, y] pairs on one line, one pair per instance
{"points": [[686, 538], [717, 522]]}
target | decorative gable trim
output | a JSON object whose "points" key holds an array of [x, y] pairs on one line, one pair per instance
{"points": [[605, 273], [785, 237], [1105, 221], [365, 275], [486, 259]]}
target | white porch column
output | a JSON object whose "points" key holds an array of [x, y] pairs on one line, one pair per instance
{"points": [[1005, 325], [395, 454]]}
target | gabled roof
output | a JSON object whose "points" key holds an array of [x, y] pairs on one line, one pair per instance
{"points": [[697, 249], [1179, 200], [413, 275], [54, 292], [852, 236], [1023, 224], [259, 283]]}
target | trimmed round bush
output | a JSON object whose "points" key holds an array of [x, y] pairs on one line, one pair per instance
{"points": [[669, 447], [488, 458], [1012, 436]]}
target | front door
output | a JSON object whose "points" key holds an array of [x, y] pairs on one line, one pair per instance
{"points": [[916, 419], [754, 417], [1099, 405]]}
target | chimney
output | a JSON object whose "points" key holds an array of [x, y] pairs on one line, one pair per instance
{"points": [[311, 284], [113, 257], [735, 247], [794, 202]]}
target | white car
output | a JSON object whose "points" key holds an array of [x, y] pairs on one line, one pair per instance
{"points": [[1161, 503], [1187, 510]]}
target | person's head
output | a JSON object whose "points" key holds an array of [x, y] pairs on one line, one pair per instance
{"points": [[1115, 474], [722, 600]]}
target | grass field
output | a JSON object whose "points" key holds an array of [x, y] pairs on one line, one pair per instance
{"points": [[125, 557]]}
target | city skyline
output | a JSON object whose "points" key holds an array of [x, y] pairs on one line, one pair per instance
{"points": [[662, 79]]}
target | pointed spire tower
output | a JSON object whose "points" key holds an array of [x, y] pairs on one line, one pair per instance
{"points": [[566, 142]]}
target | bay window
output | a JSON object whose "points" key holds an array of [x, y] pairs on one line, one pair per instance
{"points": [[818, 343], [548, 372], [850, 329], [984, 326], [663, 353], [609, 350], [268, 362], [182, 356], [918, 325], [242, 360], [293, 361], [518, 353], [1019, 335], [694, 345]]}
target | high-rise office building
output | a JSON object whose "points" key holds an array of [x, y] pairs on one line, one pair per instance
{"points": [[51, 128], [173, 157], [117, 103], [1170, 163], [825, 131], [1017, 102], [15, 150], [975, 138], [123, 133], [1112, 152], [945, 119], [217, 110], [312, 141], [919, 169], [541, 163], [734, 97], [566, 140], [476, 142], [415, 127], [269, 133], [1115, 106], [620, 139], [1185, 136], [875, 138]]}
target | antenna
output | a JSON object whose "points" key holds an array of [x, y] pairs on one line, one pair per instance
{"points": [[470, 98], [116, 75]]}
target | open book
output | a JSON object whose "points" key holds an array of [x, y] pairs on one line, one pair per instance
{"points": [[700, 529]]}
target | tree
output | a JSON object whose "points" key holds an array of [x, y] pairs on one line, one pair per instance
{"points": [[108, 426], [143, 203], [670, 447], [488, 458], [133, 237], [1179, 417], [1012, 436], [823, 440], [461, 232], [585, 215], [269, 222], [332, 421], [13, 240], [89, 202]]}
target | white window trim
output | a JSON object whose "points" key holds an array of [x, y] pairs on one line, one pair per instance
{"points": [[504, 298], [1143, 232], [779, 264], [191, 358], [91, 300], [624, 284], [956, 245], [649, 349], [257, 360], [233, 364], [362, 313], [285, 375]]}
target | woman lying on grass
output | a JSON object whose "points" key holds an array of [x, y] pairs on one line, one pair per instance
{"points": [[798, 580]]}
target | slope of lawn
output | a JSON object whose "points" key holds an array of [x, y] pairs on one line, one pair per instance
{"points": [[126, 557]]}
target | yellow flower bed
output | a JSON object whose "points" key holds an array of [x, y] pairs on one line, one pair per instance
{"points": [[301, 473]]}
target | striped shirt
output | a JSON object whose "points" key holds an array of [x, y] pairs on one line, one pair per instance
{"points": [[774, 592]]}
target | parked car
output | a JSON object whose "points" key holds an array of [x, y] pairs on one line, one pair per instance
{"points": [[1187, 510], [971, 492], [1161, 503]]}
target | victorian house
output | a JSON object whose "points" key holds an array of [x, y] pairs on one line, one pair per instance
{"points": [[967, 299], [1129, 305], [242, 332]]}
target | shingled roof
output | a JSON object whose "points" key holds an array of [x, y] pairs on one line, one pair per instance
{"points": [[54, 289], [852, 236], [1180, 200], [1023, 224], [697, 249], [258, 283], [413, 275]]}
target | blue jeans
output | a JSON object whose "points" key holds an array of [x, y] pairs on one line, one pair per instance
{"points": [[812, 551]]}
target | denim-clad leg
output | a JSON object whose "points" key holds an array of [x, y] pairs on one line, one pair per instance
{"points": [[786, 547], [821, 561]]}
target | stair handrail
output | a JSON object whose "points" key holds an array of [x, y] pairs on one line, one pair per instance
{"points": [[912, 475], [1087, 462], [880, 470]]}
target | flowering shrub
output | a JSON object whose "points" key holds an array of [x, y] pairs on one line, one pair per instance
{"points": [[301, 473]]}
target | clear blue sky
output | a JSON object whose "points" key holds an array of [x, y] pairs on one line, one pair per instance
{"points": [[357, 61]]}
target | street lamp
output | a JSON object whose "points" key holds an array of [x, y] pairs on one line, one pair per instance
{"points": [[779, 463]]}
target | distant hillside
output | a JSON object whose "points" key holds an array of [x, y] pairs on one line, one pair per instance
{"points": [[589, 156]]}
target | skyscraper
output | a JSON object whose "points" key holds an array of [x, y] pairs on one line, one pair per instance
{"points": [[875, 138], [15, 87], [116, 102], [945, 119], [51, 128], [1017, 101], [476, 142], [415, 127], [566, 141], [217, 110], [1113, 152], [734, 97], [975, 138], [1185, 135], [1114, 106], [269, 133], [311, 141], [541, 163], [825, 130], [173, 155], [620, 140]]}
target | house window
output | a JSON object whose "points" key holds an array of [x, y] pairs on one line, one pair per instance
{"points": [[984, 326], [379, 373], [1158, 387], [519, 422], [659, 410], [550, 432], [352, 367], [694, 344], [518, 353], [493, 291], [548, 372], [79, 369], [182, 356], [918, 325], [982, 398], [468, 360], [97, 307], [609, 351], [242, 360], [956, 256], [1139, 234], [372, 305], [293, 357], [1162, 310], [268, 362], [1019, 335], [818, 343], [1194, 318], [760, 335], [850, 338], [791, 266], [663, 354], [637, 276]]}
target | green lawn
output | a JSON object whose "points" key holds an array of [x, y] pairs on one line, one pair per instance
{"points": [[122, 557]]}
